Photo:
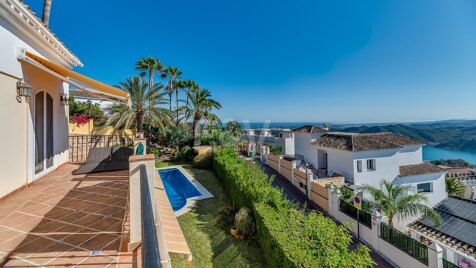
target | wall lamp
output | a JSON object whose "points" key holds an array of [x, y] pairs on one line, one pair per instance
{"points": [[64, 99], [23, 90]]}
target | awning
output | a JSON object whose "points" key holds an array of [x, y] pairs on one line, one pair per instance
{"points": [[75, 78]]}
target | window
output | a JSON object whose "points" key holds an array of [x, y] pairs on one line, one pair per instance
{"points": [[359, 165], [424, 187], [371, 164]]}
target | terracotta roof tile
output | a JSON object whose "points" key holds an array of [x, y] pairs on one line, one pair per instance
{"points": [[310, 129], [419, 169]]}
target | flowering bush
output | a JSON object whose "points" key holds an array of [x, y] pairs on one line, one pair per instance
{"points": [[80, 120]]}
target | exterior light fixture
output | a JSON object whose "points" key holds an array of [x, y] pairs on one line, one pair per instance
{"points": [[64, 99], [23, 90]]}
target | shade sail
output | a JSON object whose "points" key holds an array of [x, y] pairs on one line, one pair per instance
{"points": [[98, 87]]}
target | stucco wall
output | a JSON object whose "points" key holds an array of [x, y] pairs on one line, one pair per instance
{"points": [[302, 146], [387, 167], [340, 162], [437, 180], [410, 155], [13, 137]]}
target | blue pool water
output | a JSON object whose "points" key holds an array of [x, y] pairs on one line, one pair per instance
{"points": [[177, 187]]}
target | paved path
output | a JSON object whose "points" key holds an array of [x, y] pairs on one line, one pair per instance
{"points": [[294, 195]]}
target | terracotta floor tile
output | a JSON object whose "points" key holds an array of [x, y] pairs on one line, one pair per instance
{"points": [[79, 237], [16, 218], [94, 208], [58, 212], [70, 258], [65, 231], [47, 226], [28, 247], [98, 242], [88, 220], [48, 254], [29, 225], [16, 263], [97, 261], [104, 224], [71, 217], [12, 243], [44, 198], [109, 210]]}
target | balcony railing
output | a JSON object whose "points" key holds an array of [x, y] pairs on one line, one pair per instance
{"points": [[150, 245], [447, 264]]}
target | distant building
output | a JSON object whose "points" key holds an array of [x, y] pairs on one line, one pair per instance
{"points": [[274, 137], [466, 176]]}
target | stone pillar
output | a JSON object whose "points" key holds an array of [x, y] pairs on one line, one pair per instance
{"points": [[435, 256], [309, 178], [140, 135], [376, 220], [333, 201], [140, 145], [136, 162]]}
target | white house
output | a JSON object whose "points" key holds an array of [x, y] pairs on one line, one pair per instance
{"points": [[303, 137], [274, 137], [34, 78]]}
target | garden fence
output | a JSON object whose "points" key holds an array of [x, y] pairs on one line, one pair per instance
{"points": [[405, 243], [364, 217]]}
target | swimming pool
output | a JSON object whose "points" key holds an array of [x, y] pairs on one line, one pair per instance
{"points": [[178, 187]]}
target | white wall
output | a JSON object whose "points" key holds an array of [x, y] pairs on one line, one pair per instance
{"points": [[387, 167], [438, 185], [410, 155], [17, 138], [288, 145], [340, 162], [303, 146]]}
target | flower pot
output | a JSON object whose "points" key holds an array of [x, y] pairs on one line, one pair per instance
{"points": [[234, 231]]}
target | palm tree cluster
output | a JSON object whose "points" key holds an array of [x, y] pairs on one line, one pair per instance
{"points": [[150, 100]]}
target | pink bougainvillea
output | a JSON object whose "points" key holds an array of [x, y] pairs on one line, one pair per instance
{"points": [[80, 120]]}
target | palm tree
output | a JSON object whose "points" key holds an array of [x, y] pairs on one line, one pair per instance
{"points": [[172, 73], [150, 65], [45, 17], [398, 201], [454, 186], [142, 100], [189, 85], [200, 108]]}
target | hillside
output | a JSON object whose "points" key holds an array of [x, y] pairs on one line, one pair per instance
{"points": [[460, 135]]}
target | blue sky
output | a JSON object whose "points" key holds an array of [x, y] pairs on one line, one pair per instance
{"points": [[290, 61]]}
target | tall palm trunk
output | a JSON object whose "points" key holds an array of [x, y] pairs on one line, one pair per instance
{"points": [[139, 119], [196, 119], [46, 12], [390, 220], [151, 100], [176, 104]]}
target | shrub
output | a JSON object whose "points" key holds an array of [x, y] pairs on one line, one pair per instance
{"points": [[225, 216], [276, 150], [245, 222], [288, 237], [203, 161], [184, 154]]}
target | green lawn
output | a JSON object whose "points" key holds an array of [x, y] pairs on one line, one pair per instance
{"points": [[211, 245]]}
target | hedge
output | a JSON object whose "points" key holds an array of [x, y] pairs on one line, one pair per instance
{"points": [[288, 237]]}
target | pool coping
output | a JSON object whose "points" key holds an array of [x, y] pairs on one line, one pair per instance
{"points": [[191, 201]]}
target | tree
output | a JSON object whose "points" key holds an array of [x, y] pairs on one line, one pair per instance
{"points": [[234, 127], [142, 99], [398, 201], [150, 65], [200, 108], [454, 186], [45, 18], [172, 73]]}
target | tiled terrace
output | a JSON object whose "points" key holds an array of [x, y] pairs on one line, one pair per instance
{"points": [[67, 220]]}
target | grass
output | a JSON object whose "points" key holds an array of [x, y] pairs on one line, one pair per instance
{"points": [[212, 245]]}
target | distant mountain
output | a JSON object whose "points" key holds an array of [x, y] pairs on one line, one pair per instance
{"points": [[452, 134]]}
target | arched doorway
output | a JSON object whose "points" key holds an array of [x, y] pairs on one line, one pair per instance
{"points": [[43, 124]]}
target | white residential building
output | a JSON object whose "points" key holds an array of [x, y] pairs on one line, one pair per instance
{"points": [[35, 74], [371, 158], [274, 137]]}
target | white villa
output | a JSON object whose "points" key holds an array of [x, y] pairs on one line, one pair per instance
{"points": [[274, 137], [370, 158], [35, 74]]}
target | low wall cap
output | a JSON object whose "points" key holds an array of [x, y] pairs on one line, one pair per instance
{"points": [[137, 158]]}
